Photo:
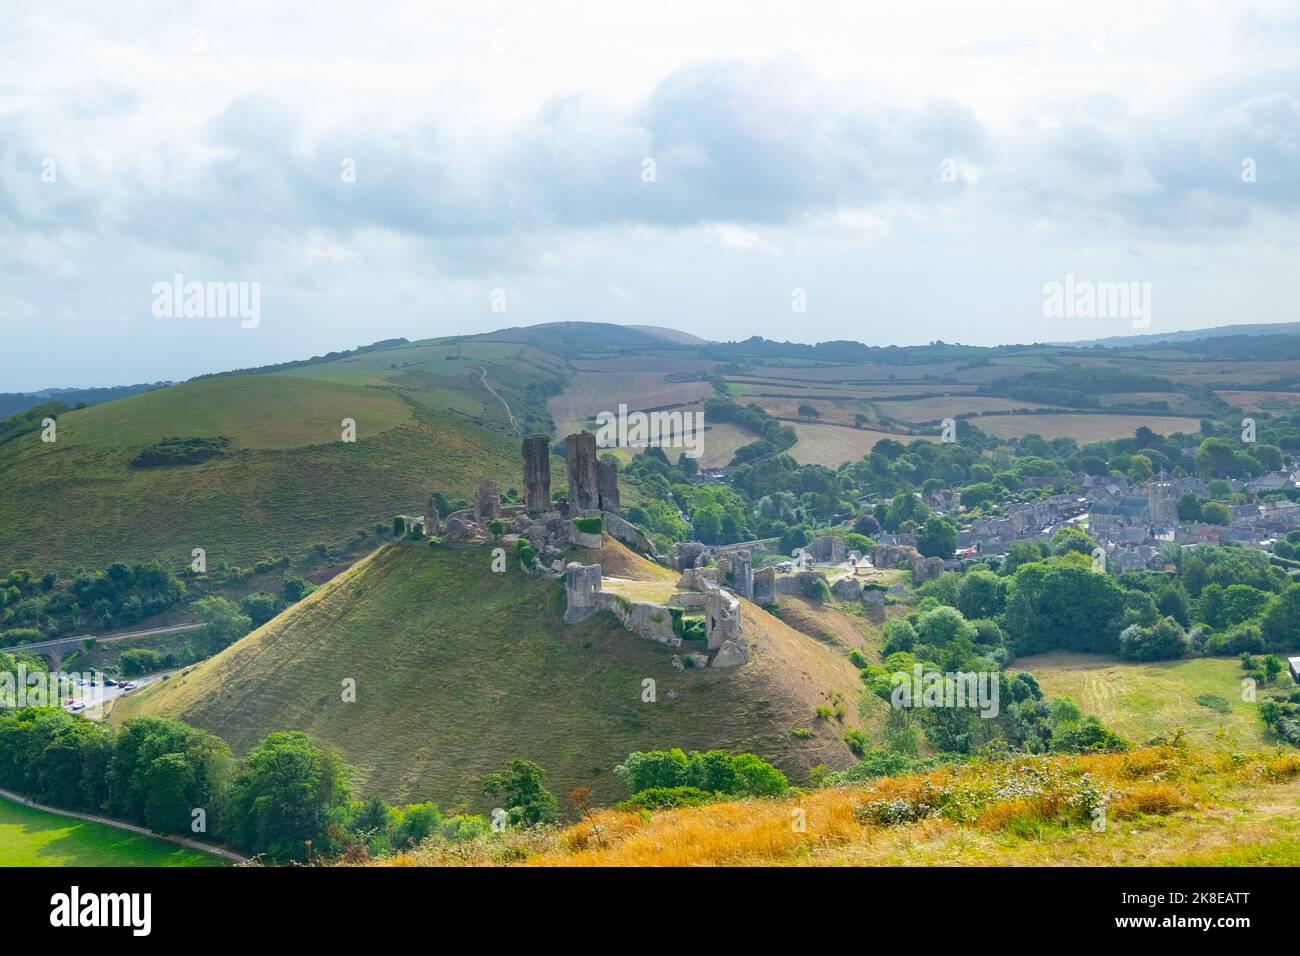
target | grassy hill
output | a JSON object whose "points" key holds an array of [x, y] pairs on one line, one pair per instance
{"points": [[427, 419], [1141, 701], [1163, 807], [30, 837], [458, 670]]}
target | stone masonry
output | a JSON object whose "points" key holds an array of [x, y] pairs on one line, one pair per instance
{"points": [[487, 501], [580, 458], [607, 486], [537, 473]]}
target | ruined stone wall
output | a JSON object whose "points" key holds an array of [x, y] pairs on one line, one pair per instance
{"points": [[580, 458], [487, 501], [581, 590], [764, 587], [607, 486], [537, 473]]}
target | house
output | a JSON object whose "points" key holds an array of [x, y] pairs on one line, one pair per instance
{"points": [[1271, 481], [1293, 665]]}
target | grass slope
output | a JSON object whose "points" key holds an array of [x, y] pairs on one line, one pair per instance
{"points": [[30, 837], [1141, 701], [459, 670], [1163, 807], [423, 423]]}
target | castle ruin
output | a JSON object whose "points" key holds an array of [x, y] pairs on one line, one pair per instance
{"points": [[537, 473]]}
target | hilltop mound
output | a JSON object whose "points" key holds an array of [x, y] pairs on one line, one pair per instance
{"points": [[458, 670]]}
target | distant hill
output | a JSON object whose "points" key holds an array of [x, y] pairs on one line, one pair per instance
{"points": [[13, 402], [1191, 335], [575, 339], [451, 684], [285, 481]]}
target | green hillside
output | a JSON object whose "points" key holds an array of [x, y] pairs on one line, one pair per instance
{"points": [[426, 419], [458, 670]]}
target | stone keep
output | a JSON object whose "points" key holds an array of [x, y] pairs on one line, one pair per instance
{"points": [[537, 473], [580, 458], [607, 486], [487, 501]]}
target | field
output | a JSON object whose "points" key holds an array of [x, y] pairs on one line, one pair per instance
{"points": [[30, 837], [832, 445], [1261, 401], [1164, 807], [1084, 427], [935, 409], [829, 411], [592, 392], [459, 670], [1139, 701]]}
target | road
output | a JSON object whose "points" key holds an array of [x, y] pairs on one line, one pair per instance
{"points": [[105, 639], [107, 695], [483, 377]]}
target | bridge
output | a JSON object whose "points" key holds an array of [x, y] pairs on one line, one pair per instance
{"points": [[52, 651]]}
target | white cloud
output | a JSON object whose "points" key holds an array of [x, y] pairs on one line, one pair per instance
{"points": [[503, 146]]}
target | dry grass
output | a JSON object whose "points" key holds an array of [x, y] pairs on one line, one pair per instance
{"points": [[1084, 428], [1163, 806], [833, 445]]}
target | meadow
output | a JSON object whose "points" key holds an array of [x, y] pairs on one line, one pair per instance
{"points": [[31, 837]]}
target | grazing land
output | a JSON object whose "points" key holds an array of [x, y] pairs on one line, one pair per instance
{"points": [[1141, 701], [833, 445], [31, 837]]}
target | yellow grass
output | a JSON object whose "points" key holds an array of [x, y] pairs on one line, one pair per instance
{"points": [[1163, 806], [1083, 427], [832, 445]]}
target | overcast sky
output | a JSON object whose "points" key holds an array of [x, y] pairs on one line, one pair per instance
{"points": [[920, 171]]}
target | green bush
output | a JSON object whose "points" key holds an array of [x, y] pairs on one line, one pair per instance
{"points": [[591, 525], [665, 798]]}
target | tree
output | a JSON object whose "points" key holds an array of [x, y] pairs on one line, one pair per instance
{"points": [[260, 607], [1163, 641], [1215, 512], [285, 796], [1062, 605], [527, 802], [1280, 625], [981, 593], [224, 622], [1189, 507], [937, 538]]}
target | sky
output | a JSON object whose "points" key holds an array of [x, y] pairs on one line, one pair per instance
{"points": [[890, 173]]}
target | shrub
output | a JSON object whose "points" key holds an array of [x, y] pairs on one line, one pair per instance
{"points": [[666, 798], [592, 525]]}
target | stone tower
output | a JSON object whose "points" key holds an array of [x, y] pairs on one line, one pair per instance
{"points": [[607, 485], [1161, 507], [537, 473], [580, 458]]}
